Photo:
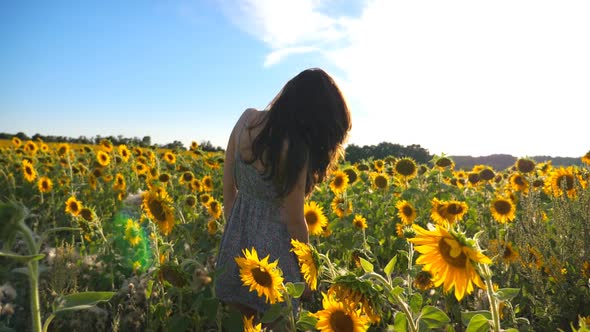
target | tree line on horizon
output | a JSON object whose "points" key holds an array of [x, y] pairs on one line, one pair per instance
{"points": [[353, 153], [145, 141]]}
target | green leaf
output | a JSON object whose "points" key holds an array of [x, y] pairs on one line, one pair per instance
{"points": [[416, 302], [400, 322], [466, 316], [389, 267], [367, 266], [178, 323], [397, 281], [272, 314], [80, 301], [511, 330], [306, 321], [433, 317], [149, 289], [506, 294], [478, 323], [295, 289], [397, 290], [21, 258]]}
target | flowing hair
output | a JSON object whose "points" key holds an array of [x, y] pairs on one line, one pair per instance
{"points": [[307, 122]]}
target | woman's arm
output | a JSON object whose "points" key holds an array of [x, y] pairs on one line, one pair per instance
{"points": [[294, 202], [229, 185]]}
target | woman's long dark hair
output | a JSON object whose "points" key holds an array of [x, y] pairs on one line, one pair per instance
{"points": [[310, 118]]}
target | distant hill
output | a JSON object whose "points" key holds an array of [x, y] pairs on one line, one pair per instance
{"points": [[502, 161]]}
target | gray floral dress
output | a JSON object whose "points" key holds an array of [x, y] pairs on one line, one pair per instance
{"points": [[254, 222]]}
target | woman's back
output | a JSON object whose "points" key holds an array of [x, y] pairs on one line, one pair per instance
{"points": [[256, 221]]}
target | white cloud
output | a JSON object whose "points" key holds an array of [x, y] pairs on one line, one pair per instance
{"points": [[276, 56], [459, 77]]}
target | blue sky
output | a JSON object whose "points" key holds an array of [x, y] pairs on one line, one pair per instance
{"points": [[456, 77]]}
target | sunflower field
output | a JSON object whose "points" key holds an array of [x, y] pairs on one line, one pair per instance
{"points": [[124, 238]]}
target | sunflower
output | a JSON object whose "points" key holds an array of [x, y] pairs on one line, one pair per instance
{"points": [[164, 177], [315, 218], [455, 210], [448, 257], [212, 227], [444, 162], [194, 146], [157, 206], [87, 214], [423, 281], [119, 182], [380, 180], [263, 277], [190, 200], [249, 323], [352, 176], [132, 232], [196, 185], [308, 262], [205, 198], [170, 157], [29, 171], [562, 180], [437, 213], [16, 141], [341, 207], [504, 251], [186, 177], [406, 212], [359, 222], [586, 158], [140, 169], [473, 179], [339, 316], [406, 168], [519, 183], [106, 145], [503, 209], [339, 182], [525, 165], [378, 165], [207, 183], [487, 174], [31, 147], [44, 184], [124, 152], [73, 206], [103, 158], [214, 208]]}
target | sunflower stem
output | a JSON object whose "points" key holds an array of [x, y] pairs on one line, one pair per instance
{"points": [[398, 299], [487, 274]]}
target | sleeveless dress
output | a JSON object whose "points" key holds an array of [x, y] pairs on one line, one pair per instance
{"points": [[254, 222]]}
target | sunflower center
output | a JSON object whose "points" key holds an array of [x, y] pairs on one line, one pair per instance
{"points": [[338, 182], [261, 276], [28, 170], [74, 207], [452, 253], [311, 218], [443, 162], [519, 180], [502, 207], [525, 165], [486, 174], [565, 181], [407, 211], [405, 167], [380, 182], [454, 209], [351, 175], [341, 322], [157, 210]]}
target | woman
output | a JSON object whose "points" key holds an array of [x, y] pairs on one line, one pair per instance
{"points": [[274, 159]]}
